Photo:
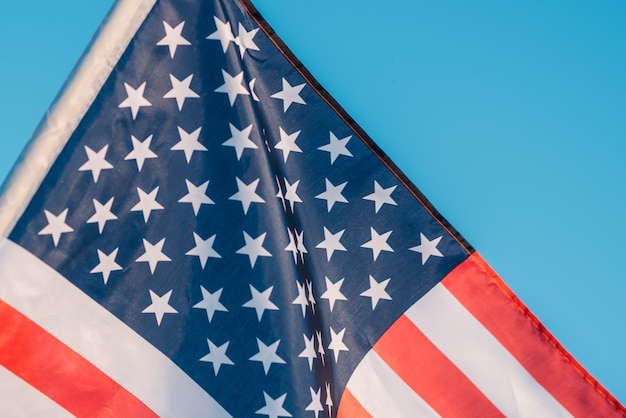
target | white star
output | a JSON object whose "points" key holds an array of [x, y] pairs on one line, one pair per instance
{"points": [[337, 147], [103, 214], [378, 243], [260, 301], [267, 355], [147, 203], [288, 143], [188, 143], [377, 291], [210, 303], [336, 342], [232, 86], [247, 194], [309, 350], [254, 248], [245, 40], [141, 151], [331, 242], [301, 248], [173, 37], [181, 90], [217, 356], [240, 140], [107, 264], [135, 99], [196, 195], [320, 346], [291, 194], [427, 248], [96, 162], [224, 33], [160, 306], [280, 193], [292, 246], [333, 292], [316, 402], [153, 254], [381, 196], [329, 399], [56, 226], [274, 407], [301, 298], [289, 94], [309, 288], [332, 194], [203, 249]]}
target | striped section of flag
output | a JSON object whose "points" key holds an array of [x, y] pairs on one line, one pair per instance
{"points": [[470, 345], [68, 334]]}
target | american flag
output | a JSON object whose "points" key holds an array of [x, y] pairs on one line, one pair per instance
{"points": [[217, 237]]}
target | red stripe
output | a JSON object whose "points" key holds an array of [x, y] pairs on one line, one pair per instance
{"points": [[486, 296], [416, 360], [60, 373], [349, 407]]}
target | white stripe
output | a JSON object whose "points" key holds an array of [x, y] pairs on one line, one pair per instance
{"points": [[477, 353], [63, 117], [382, 393], [50, 300], [20, 400]]}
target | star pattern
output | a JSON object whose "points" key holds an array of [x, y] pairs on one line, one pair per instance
{"points": [[381, 196], [309, 351], [203, 249], [274, 407], [336, 147], [96, 162], [181, 90], [135, 99], [333, 292], [173, 37], [245, 40], [153, 254], [141, 151], [254, 248], [336, 343], [287, 143], [233, 86], [196, 195], [160, 306], [240, 140], [428, 248], [261, 301], [377, 291], [103, 214], [147, 203], [333, 194], [189, 143], [211, 303], [223, 33], [246, 194], [56, 226], [289, 95], [267, 355], [378, 243], [217, 356], [331, 243], [107, 264]]}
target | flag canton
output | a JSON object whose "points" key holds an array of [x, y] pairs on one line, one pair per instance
{"points": [[213, 201]]}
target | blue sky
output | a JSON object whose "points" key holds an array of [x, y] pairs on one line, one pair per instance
{"points": [[509, 116]]}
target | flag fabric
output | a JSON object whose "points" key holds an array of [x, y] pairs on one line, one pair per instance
{"points": [[199, 229]]}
